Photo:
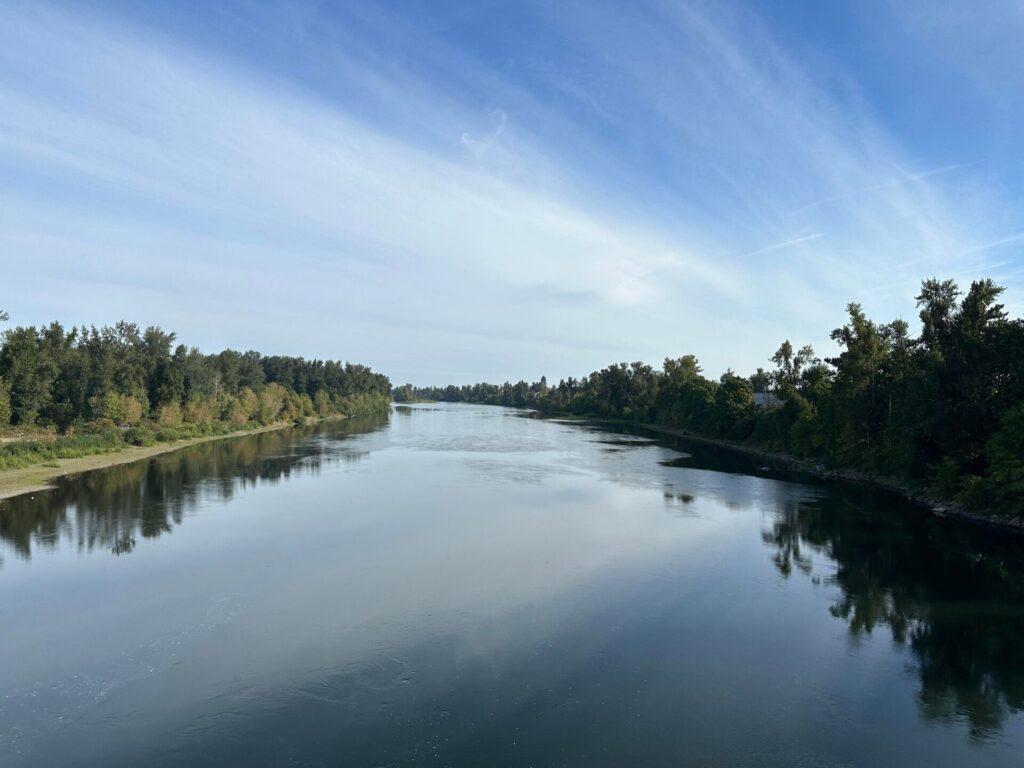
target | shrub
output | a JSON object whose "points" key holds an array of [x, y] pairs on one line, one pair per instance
{"points": [[169, 415], [249, 401], [272, 400], [236, 415], [200, 410], [117, 408], [140, 436], [322, 403], [947, 478]]}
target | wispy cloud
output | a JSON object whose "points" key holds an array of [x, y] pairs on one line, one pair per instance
{"points": [[995, 244], [888, 184], [783, 244], [479, 146], [398, 208], [210, 177]]}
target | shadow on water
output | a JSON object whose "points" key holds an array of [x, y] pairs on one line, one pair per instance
{"points": [[692, 453], [952, 595], [113, 508]]}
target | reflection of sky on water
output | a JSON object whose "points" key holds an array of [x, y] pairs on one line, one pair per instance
{"points": [[460, 575]]}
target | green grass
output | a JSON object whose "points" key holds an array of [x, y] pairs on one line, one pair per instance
{"points": [[26, 453], [29, 452], [92, 439]]}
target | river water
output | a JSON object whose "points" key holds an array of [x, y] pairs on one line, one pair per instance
{"points": [[468, 586]]}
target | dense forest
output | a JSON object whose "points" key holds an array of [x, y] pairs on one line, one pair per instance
{"points": [[942, 410], [86, 389]]}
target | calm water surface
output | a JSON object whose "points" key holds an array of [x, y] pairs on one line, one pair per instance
{"points": [[471, 586]]}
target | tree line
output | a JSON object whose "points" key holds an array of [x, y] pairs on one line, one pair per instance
{"points": [[943, 409], [121, 377]]}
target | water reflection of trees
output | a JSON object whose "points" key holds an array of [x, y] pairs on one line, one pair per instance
{"points": [[113, 508], [954, 596]]}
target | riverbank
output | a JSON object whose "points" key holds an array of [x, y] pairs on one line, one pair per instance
{"points": [[919, 496], [916, 495], [41, 477]]}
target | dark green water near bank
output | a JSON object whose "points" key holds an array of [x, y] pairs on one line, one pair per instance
{"points": [[465, 586]]}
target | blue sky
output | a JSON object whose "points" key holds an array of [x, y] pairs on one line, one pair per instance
{"points": [[453, 192]]}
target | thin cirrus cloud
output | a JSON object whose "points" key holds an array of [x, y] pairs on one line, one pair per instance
{"points": [[450, 203]]}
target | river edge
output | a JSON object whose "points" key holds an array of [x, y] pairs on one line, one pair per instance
{"points": [[937, 507], [41, 477]]}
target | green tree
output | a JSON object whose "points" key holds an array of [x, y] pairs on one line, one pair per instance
{"points": [[734, 401], [858, 409], [5, 403], [789, 366], [1006, 455], [404, 394], [123, 410], [29, 373]]}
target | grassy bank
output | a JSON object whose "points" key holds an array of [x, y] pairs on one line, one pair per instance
{"points": [[67, 456], [21, 448], [40, 449]]}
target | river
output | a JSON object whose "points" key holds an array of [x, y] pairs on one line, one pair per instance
{"points": [[462, 585]]}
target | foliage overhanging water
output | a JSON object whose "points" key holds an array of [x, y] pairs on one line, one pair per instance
{"points": [[467, 585]]}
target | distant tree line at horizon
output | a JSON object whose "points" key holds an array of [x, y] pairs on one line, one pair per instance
{"points": [[944, 410], [123, 379]]}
